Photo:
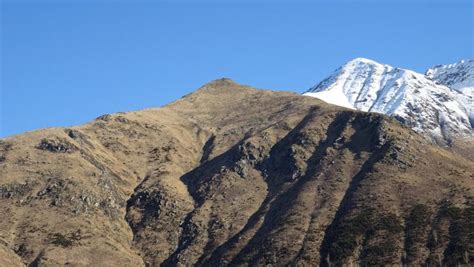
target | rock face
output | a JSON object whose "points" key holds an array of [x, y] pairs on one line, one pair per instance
{"points": [[231, 175], [424, 103]]}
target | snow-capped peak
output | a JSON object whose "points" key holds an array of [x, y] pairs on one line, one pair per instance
{"points": [[413, 98]]}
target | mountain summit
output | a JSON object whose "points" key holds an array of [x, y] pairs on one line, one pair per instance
{"points": [[419, 101]]}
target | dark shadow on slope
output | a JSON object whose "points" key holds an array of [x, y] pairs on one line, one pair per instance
{"points": [[347, 201], [207, 149], [368, 137], [204, 172], [277, 164], [193, 180]]}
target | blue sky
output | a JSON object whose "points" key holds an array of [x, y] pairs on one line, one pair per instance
{"points": [[67, 62]]}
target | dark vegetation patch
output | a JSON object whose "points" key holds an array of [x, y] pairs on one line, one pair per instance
{"points": [[416, 233], [390, 223], [4, 148], [65, 241], [357, 230], [383, 236], [379, 254], [347, 235], [460, 250]]}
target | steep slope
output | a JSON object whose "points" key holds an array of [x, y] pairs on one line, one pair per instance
{"points": [[460, 77], [231, 175], [415, 100]]}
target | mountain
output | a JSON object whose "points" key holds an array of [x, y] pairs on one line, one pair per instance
{"points": [[460, 77], [232, 175], [420, 102]]}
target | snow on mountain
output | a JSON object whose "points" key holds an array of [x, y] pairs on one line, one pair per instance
{"points": [[413, 98], [458, 76]]}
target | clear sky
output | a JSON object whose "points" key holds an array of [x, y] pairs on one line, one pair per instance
{"points": [[67, 62]]}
